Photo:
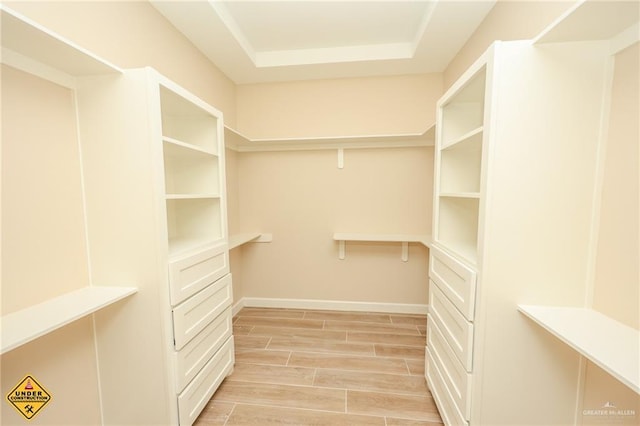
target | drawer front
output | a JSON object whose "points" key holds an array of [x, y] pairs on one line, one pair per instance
{"points": [[457, 331], [198, 393], [195, 354], [456, 280], [190, 274], [194, 314], [447, 408], [454, 376]]}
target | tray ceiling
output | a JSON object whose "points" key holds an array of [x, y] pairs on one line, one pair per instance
{"points": [[259, 41]]}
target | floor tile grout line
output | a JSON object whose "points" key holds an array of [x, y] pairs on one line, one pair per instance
{"points": [[235, 404]]}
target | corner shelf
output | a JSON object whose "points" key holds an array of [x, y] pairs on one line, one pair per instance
{"points": [[250, 237], [611, 345], [404, 239], [21, 327], [241, 143]]}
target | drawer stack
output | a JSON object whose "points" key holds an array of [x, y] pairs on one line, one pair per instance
{"points": [[449, 351], [201, 298]]}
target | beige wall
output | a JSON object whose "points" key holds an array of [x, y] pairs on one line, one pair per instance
{"points": [[132, 34], [339, 107], [617, 274], [508, 20], [302, 198]]}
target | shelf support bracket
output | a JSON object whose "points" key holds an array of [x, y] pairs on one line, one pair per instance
{"points": [[405, 251], [341, 158], [341, 249]]}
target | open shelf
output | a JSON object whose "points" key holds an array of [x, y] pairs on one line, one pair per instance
{"points": [[193, 222], [404, 239], [611, 345], [28, 324], [187, 124], [458, 225], [463, 114], [239, 142], [30, 47], [249, 237], [592, 20]]}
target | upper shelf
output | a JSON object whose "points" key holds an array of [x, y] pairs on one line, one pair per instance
{"points": [[32, 48], [611, 345], [239, 142], [23, 326], [592, 20]]}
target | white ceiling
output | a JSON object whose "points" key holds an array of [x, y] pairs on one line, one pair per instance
{"points": [[267, 40]]}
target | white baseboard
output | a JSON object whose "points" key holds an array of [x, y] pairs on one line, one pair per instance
{"points": [[330, 305]]}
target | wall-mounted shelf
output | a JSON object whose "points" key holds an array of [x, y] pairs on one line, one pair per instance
{"points": [[611, 345], [594, 20], [249, 237], [32, 48], [239, 142], [404, 239], [30, 323]]}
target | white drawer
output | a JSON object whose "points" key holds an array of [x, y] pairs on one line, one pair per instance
{"points": [[453, 375], [456, 280], [198, 393], [195, 354], [457, 331], [194, 314], [447, 408], [191, 273]]}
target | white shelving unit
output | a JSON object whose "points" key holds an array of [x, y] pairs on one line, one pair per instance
{"points": [[404, 239], [612, 346], [513, 225], [23, 326]]}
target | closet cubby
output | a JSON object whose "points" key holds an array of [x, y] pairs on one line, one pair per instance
{"points": [[463, 114], [460, 166], [458, 225], [192, 222], [185, 122], [190, 171]]}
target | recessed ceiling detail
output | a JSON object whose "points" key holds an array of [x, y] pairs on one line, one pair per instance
{"points": [[254, 41]]}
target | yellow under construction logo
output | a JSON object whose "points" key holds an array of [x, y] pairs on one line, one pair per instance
{"points": [[28, 397]]}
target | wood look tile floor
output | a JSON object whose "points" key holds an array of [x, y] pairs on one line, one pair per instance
{"points": [[307, 367]]}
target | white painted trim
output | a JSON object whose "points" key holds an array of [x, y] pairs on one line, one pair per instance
{"points": [[237, 307], [331, 305]]}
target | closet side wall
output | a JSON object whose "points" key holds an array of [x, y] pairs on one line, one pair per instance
{"points": [[617, 276]]}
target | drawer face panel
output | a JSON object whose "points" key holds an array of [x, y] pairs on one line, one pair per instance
{"points": [[194, 314], [197, 394], [190, 274], [456, 280], [196, 353], [457, 331], [447, 408], [454, 376]]}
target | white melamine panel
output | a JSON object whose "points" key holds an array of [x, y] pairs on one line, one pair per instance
{"points": [[463, 112], [194, 314], [453, 374], [456, 280], [194, 398], [444, 401], [457, 331], [192, 272], [195, 355]]}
